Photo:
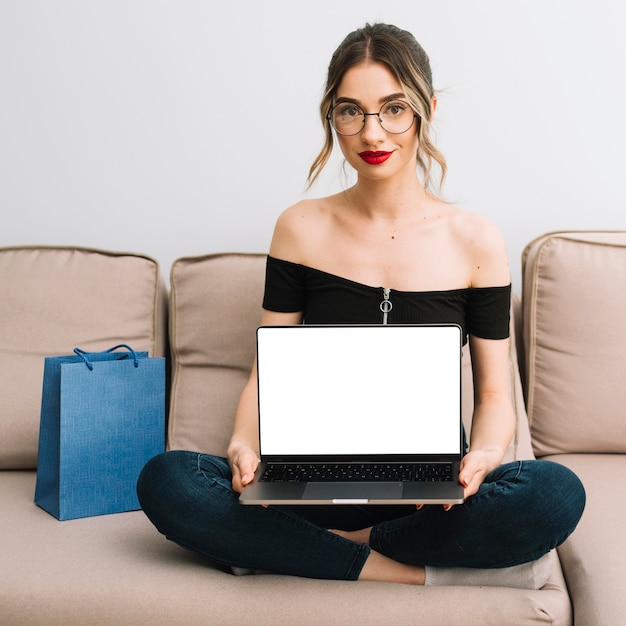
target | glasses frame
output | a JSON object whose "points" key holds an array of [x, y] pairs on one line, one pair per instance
{"points": [[329, 117]]}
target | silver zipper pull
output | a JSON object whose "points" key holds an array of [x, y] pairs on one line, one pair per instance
{"points": [[386, 305]]}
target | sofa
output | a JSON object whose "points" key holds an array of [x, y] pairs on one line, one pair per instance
{"points": [[566, 370]]}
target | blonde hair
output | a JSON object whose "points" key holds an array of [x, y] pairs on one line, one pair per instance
{"points": [[407, 60]]}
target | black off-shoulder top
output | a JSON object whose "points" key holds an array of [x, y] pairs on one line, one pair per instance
{"points": [[324, 298]]}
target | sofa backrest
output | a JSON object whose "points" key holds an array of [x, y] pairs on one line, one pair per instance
{"points": [[215, 307], [53, 299], [574, 306]]}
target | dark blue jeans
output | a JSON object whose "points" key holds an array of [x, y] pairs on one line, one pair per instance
{"points": [[522, 510]]}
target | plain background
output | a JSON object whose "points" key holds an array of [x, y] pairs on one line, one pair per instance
{"points": [[184, 127]]}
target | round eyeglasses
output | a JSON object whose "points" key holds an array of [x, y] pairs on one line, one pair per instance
{"points": [[395, 116]]}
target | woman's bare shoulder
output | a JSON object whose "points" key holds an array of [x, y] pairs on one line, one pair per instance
{"points": [[484, 247], [300, 228]]}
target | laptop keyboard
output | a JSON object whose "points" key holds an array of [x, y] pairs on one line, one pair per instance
{"points": [[339, 472]]}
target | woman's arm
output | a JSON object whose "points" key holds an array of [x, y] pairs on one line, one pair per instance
{"points": [[493, 422], [243, 449]]}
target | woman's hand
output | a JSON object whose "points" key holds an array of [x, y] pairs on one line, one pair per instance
{"points": [[243, 463], [474, 467]]}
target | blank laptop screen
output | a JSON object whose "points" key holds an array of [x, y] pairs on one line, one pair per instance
{"points": [[359, 390]]}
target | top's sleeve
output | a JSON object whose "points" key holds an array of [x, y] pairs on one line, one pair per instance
{"points": [[488, 312], [284, 288]]}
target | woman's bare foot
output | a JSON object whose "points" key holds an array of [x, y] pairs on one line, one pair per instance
{"points": [[381, 568]]}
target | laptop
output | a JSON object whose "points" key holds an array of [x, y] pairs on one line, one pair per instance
{"points": [[358, 415]]}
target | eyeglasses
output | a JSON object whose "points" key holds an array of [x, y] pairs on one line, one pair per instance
{"points": [[395, 116]]}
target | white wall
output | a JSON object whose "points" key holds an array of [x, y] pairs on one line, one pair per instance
{"points": [[183, 127]]}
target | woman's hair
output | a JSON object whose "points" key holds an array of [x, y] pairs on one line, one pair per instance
{"points": [[409, 63]]}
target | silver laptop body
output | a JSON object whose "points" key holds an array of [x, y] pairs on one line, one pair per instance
{"points": [[342, 399]]}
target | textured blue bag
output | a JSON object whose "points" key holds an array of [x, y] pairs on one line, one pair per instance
{"points": [[102, 419]]}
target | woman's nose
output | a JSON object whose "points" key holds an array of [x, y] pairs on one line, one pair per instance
{"points": [[372, 132]]}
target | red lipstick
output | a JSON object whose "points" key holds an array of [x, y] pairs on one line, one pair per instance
{"points": [[375, 158]]}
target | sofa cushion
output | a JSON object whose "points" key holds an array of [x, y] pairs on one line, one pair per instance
{"points": [[574, 304], [215, 307], [54, 299]]}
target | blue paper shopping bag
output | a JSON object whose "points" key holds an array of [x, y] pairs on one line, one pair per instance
{"points": [[102, 419]]}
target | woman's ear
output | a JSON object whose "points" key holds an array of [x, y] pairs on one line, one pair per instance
{"points": [[433, 107]]}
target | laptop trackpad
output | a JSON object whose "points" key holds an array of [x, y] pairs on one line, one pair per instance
{"points": [[352, 491]]}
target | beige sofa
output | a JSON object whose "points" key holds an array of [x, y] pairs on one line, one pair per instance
{"points": [[117, 569]]}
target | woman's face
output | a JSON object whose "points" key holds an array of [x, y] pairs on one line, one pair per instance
{"points": [[373, 152]]}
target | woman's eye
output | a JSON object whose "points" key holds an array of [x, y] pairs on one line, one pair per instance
{"points": [[350, 111], [395, 108]]}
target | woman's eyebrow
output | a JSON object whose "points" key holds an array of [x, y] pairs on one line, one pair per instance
{"points": [[393, 96], [352, 100]]}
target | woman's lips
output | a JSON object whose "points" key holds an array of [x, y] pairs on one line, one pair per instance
{"points": [[375, 158]]}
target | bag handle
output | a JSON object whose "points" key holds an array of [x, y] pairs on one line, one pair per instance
{"points": [[83, 354]]}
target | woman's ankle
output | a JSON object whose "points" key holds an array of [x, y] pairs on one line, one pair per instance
{"points": [[380, 568], [358, 536]]}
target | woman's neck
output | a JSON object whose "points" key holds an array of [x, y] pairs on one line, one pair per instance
{"points": [[388, 200]]}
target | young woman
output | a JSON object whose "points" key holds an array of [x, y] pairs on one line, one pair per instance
{"points": [[334, 260]]}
